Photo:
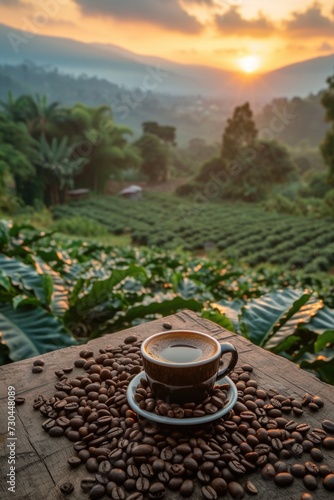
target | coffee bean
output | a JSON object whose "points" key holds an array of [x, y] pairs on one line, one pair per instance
{"points": [[37, 369], [219, 485], [167, 326], [328, 482], [118, 493], [268, 472], [142, 484], [56, 431], [281, 466], [328, 425], [306, 399], [130, 339], [251, 488], [136, 496], [97, 492], [318, 401], [142, 450], [39, 362], [298, 470], [316, 454], [156, 490], [283, 479], [66, 488], [175, 483], [313, 437], [297, 450], [19, 400], [311, 468], [236, 467], [236, 490], [328, 443], [310, 482], [189, 464], [74, 461], [306, 496], [209, 493], [187, 488], [324, 470]]}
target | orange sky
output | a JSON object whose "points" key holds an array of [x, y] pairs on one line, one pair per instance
{"points": [[218, 33]]}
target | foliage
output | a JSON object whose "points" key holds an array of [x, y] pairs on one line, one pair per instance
{"points": [[240, 132], [58, 166], [80, 226], [327, 147], [49, 288], [242, 232], [210, 168], [165, 132], [155, 157]]}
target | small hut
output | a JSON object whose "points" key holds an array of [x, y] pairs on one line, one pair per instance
{"points": [[132, 192]]}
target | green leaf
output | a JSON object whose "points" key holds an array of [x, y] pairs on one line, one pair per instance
{"points": [[23, 300], [101, 291], [300, 314], [322, 321], [220, 319], [323, 366], [47, 288], [163, 308], [231, 310], [323, 339], [285, 344], [29, 332], [22, 275], [260, 316]]}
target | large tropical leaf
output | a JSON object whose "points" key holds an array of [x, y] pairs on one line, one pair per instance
{"points": [[29, 332], [231, 310], [23, 276], [261, 316], [101, 292], [163, 308]]}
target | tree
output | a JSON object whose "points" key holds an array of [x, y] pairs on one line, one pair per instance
{"points": [[154, 157], [58, 167], [18, 158], [240, 132], [101, 142], [35, 112], [166, 133], [327, 147]]}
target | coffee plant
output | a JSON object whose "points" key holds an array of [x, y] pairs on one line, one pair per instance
{"points": [[56, 293]]}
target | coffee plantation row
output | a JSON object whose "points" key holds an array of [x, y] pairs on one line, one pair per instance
{"points": [[244, 233], [56, 293]]}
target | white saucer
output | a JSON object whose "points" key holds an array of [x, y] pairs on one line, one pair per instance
{"points": [[232, 396]]}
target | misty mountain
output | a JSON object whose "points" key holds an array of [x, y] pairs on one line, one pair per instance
{"points": [[130, 70]]}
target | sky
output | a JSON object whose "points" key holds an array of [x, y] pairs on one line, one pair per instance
{"points": [[242, 35]]}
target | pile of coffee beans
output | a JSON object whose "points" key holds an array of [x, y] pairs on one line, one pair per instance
{"points": [[130, 457], [215, 402], [37, 366]]}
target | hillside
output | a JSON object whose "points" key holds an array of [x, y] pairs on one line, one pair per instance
{"points": [[128, 69]]}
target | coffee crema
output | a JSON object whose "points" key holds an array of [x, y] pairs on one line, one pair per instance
{"points": [[181, 348]]}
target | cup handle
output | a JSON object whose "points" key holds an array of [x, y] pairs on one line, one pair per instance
{"points": [[224, 348]]}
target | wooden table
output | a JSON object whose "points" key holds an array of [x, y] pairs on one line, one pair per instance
{"points": [[41, 462]]}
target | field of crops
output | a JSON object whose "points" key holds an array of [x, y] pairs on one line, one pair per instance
{"points": [[239, 232], [56, 293]]}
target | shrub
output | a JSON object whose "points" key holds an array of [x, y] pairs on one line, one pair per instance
{"points": [[80, 226]]}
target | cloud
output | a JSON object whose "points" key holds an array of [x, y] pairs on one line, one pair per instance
{"points": [[164, 13], [310, 22], [232, 23]]}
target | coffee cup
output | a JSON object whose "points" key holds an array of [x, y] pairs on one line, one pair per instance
{"points": [[182, 366]]}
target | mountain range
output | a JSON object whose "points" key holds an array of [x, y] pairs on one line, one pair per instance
{"points": [[130, 70]]}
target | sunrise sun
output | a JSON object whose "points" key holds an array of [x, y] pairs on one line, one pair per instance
{"points": [[249, 64]]}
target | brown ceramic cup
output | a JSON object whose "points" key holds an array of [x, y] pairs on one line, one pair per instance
{"points": [[182, 366]]}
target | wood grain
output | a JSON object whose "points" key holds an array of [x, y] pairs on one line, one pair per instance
{"points": [[41, 461]]}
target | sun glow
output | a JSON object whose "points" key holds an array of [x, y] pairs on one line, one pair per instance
{"points": [[249, 64]]}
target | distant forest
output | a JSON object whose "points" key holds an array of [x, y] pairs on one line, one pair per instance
{"points": [[193, 116]]}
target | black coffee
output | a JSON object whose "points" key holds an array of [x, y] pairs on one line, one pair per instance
{"points": [[181, 348]]}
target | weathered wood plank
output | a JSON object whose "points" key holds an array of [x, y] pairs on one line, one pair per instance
{"points": [[41, 462]]}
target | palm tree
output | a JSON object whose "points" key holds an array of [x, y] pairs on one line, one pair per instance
{"points": [[58, 166]]}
